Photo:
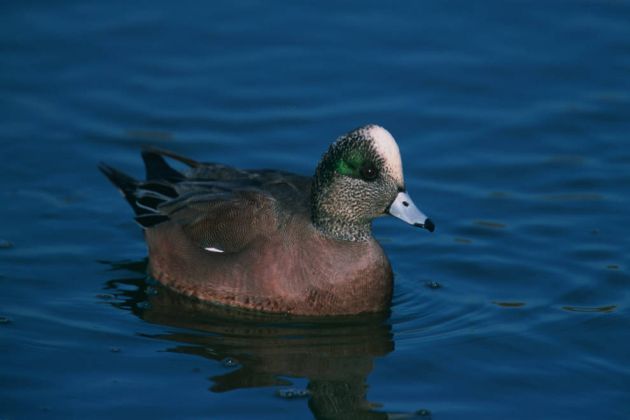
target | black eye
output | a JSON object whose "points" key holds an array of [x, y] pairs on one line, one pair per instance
{"points": [[369, 172]]}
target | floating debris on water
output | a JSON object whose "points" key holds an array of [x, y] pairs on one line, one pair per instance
{"points": [[605, 309], [612, 267], [4, 244], [433, 284], [463, 241], [106, 296], [5, 320], [292, 393], [114, 349], [509, 304]]}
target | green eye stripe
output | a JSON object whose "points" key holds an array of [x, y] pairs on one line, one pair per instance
{"points": [[351, 165]]}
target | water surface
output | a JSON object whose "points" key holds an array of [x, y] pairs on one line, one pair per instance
{"points": [[513, 120]]}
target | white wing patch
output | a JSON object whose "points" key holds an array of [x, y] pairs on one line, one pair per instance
{"points": [[213, 249], [387, 147]]}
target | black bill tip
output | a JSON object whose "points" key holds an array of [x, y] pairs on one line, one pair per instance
{"points": [[428, 225]]}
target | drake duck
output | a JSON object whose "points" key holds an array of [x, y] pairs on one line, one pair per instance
{"points": [[271, 240]]}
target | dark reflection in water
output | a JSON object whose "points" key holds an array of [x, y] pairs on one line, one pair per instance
{"points": [[335, 355]]}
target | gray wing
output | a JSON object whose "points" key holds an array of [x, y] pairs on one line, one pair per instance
{"points": [[220, 208]]}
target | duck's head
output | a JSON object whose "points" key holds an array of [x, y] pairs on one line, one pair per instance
{"points": [[360, 178]]}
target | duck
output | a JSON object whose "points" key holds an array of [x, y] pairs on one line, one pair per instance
{"points": [[271, 240]]}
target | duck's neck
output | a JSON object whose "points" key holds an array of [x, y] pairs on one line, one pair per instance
{"points": [[342, 230], [334, 222]]}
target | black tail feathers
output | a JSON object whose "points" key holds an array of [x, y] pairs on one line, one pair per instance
{"points": [[145, 197], [157, 168], [125, 184]]}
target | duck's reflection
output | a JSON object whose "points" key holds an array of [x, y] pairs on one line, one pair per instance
{"points": [[334, 355]]}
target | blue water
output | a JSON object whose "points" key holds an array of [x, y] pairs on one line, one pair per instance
{"points": [[513, 119]]}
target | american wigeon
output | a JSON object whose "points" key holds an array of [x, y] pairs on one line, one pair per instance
{"points": [[271, 240]]}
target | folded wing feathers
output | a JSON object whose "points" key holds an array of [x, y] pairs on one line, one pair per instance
{"points": [[148, 197]]}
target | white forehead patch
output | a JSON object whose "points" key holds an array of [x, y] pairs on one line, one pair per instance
{"points": [[387, 147]]}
